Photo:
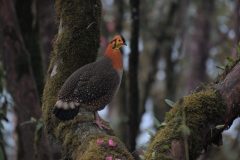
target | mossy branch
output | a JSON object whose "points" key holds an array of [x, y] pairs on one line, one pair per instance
{"points": [[193, 122], [76, 44]]}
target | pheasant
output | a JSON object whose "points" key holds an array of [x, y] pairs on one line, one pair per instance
{"points": [[92, 86]]}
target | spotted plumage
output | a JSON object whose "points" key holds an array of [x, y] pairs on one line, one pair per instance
{"points": [[92, 86]]}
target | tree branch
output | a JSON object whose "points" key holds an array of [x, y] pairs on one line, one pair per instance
{"points": [[194, 118]]}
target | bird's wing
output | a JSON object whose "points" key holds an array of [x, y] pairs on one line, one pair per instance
{"points": [[97, 86], [90, 83]]}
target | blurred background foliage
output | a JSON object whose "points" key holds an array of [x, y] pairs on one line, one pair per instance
{"points": [[182, 45]]}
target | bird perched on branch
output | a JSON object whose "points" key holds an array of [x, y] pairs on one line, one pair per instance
{"points": [[92, 86]]}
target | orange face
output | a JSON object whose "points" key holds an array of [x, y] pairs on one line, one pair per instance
{"points": [[117, 42], [114, 53]]}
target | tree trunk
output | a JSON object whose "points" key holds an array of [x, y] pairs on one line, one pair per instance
{"points": [[198, 44], [76, 44], [28, 23], [20, 83], [194, 120], [133, 97], [46, 18]]}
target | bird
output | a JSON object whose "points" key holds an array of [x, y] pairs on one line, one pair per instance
{"points": [[92, 86]]}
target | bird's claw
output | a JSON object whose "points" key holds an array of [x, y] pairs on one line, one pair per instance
{"points": [[101, 124]]}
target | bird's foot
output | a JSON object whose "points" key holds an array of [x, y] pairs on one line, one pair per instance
{"points": [[101, 123]]}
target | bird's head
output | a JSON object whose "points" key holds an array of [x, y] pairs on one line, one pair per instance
{"points": [[117, 42], [113, 51]]}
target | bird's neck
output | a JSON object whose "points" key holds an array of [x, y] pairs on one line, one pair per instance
{"points": [[115, 56]]}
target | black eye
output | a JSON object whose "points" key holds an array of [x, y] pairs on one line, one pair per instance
{"points": [[119, 40]]}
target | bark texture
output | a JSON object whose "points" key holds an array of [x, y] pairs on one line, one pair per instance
{"points": [[194, 118], [76, 44], [20, 83]]}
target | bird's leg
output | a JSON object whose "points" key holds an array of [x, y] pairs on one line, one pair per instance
{"points": [[100, 122]]}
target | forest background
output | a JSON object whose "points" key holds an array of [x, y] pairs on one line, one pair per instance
{"points": [[174, 48]]}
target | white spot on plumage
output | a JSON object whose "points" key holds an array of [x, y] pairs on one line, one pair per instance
{"points": [[65, 105], [71, 104], [76, 103], [59, 104]]}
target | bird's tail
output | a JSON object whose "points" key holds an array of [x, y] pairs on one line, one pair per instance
{"points": [[65, 110]]}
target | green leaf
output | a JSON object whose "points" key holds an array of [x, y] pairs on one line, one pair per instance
{"points": [[156, 122], [221, 67], [185, 130], [38, 131], [153, 155], [31, 121], [220, 126], [39, 126], [163, 124], [230, 60], [169, 102], [141, 157], [150, 132]]}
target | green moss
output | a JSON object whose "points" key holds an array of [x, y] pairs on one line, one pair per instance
{"points": [[74, 47], [228, 67], [201, 110], [95, 151]]}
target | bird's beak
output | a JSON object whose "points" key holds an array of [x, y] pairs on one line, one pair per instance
{"points": [[124, 43]]}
